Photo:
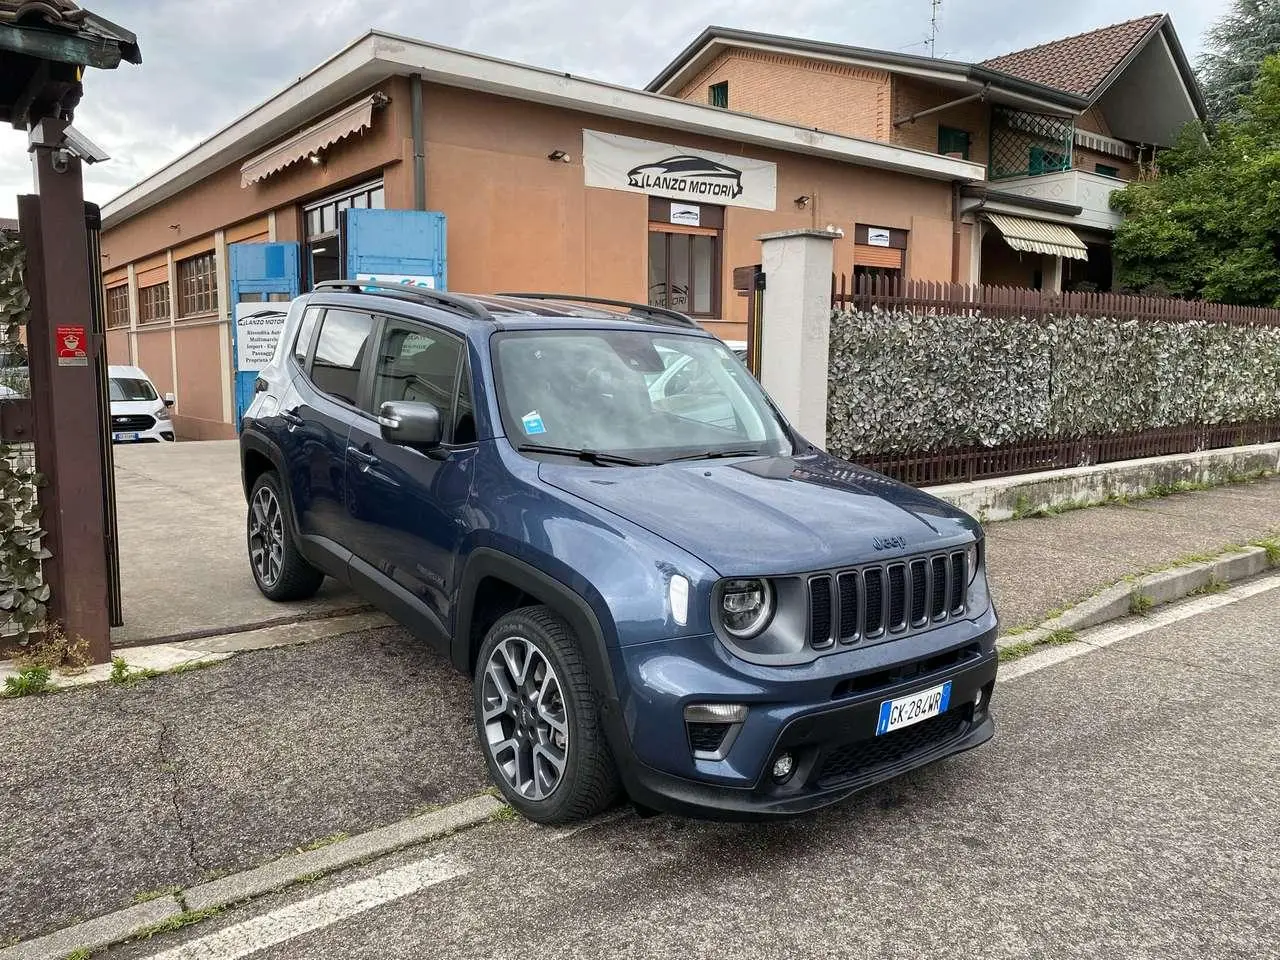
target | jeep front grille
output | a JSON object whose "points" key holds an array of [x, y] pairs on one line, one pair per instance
{"points": [[896, 598]]}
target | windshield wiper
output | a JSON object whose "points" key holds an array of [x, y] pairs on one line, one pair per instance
{"points": [[591, 456], [715, 454]]}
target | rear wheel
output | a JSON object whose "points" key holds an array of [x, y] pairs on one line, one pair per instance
{"points": [[278, 568], [538, 721]]}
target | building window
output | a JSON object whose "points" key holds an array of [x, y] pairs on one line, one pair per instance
{"points": [[953, 140], [320, 228], [153, 302], [1048, 161], [197, 285], [1106, 171], [118, 306], [718, 94]]}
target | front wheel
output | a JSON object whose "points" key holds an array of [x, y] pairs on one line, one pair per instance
{"points": [[278, 568], [538, 722]]}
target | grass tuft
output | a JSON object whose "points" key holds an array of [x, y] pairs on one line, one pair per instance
{"points": [[323, 842], [184, 919], [31, 682], [1140, 603], [155, 894]]}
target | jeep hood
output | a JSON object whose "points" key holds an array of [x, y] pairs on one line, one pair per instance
{"points": [[770, 515]]}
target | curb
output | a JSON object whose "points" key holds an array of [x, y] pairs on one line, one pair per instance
{"points": [[1141, 595], [113, 928]]}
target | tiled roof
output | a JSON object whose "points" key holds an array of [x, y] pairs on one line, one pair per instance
{"points": [[52, 12], [1077, 64]]}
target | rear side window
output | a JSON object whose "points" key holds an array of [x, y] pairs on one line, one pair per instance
{"points": [[340, 352], [306, 330]]}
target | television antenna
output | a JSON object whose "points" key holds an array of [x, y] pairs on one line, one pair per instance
{"points": [[935, 6]]}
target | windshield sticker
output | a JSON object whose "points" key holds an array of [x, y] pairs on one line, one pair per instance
{"points": [[532, 422]]}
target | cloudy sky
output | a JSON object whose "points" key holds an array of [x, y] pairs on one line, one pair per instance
{"points": [[206, 62]]}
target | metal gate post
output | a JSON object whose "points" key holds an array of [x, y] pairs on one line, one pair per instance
{"points": [[66, 403]]}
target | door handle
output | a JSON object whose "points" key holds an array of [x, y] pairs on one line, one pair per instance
{"points": [[366, 459]]}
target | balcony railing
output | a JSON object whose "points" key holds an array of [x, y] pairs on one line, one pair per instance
{"points": [[1028, 144], [1080, 188]]}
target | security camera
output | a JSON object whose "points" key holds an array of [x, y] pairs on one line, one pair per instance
{"points": [[78, 145]]}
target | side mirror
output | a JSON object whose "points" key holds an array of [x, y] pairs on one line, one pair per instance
{"points": [[410, 424], [170, 399]]}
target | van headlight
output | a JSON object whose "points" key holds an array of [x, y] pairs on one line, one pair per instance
{"points": [[746, 607]]}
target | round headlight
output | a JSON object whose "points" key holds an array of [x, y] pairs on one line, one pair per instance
{"points": [[746, 607]]}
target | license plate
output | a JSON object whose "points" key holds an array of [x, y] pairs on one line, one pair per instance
{"points": [[123, 437], [921, 705]]}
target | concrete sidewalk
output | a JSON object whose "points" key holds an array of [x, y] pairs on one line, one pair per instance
{"points": [[184, 567], [115, 791], [1039, 565]]}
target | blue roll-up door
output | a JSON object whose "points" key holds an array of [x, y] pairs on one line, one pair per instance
{"points": [[398, 246]]}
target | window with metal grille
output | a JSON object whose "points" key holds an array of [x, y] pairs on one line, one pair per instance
{"points": [[718, 94], [118, 306], [1025, 144], [153, 302], [197, 285], [953, 140]]}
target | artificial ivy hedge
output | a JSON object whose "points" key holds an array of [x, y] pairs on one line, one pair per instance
{"points": [[23, 593], [905, 381]]}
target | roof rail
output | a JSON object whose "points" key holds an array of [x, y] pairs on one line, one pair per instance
{"points": [[638, 309], [404, 291]]}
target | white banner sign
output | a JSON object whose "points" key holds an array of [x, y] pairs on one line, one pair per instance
{"points": [[681, 173], [258, 328]]}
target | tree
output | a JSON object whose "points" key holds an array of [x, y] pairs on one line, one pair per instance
{"points": [[1237, 45], [1208, 226]]}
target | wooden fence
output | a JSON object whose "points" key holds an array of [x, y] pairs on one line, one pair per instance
{"points": [[933, 297], [961, 464]]}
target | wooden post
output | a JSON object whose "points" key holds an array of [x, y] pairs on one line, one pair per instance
{"points": [[67, 409]]}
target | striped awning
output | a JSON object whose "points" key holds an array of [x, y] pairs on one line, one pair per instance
{"points": [[1039, 236], [336, 126]]}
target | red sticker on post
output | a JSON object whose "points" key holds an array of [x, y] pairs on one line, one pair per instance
{"points": [[73, 346]]}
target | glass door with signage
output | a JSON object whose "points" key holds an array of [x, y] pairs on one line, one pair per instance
{"points": [[684, 257]]}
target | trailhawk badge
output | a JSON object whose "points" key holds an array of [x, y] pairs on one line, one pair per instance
{"points": [[688, 175]]}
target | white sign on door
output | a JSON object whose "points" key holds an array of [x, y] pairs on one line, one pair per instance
{"points": [[687, 214], [404, 279], [877, 237], [682, 173], [258, 329]]}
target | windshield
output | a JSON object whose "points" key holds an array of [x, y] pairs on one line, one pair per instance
{"points": [[648, 396], [129, 389]]}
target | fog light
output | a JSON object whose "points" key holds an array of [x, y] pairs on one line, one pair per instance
{"points": [[782, 767], [977, 701], [715, 712]]}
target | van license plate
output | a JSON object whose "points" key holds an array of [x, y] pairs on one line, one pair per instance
{"points": [[123, 437], [904, 711]]}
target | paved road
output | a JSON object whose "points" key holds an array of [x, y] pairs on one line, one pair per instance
{"points": [[1127, 808]]}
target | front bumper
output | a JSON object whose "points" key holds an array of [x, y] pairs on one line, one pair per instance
{"points": [[162, 432], [824, 714]]}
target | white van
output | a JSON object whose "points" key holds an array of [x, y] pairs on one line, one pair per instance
{"points": [[138, 414]]}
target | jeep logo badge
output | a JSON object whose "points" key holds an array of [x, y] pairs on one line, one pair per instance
{"points": [[889, 543]]}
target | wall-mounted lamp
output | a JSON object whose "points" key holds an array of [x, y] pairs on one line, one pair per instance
{"points": [[803, 201], [175, 226], [559, 155], [315, 159]]}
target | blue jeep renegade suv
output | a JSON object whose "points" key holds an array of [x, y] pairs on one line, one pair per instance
{"points": [[594, 510]]}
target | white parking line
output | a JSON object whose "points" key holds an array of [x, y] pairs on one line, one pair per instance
{"points": [[314, 913], [1105, 636]]}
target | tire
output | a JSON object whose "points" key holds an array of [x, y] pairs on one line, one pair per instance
{"points": [[523, 725], [278, 568]]}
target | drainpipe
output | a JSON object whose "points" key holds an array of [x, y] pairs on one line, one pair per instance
{"points": [[419, 148], [955, 231]]}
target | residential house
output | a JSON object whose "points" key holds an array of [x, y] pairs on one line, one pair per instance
{"points": [[1059, 127]]}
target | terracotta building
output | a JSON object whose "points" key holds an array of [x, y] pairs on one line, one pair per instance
{"points": [[545, 181]]}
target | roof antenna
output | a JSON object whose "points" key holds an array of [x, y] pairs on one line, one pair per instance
{"points": [[933, 25]]}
